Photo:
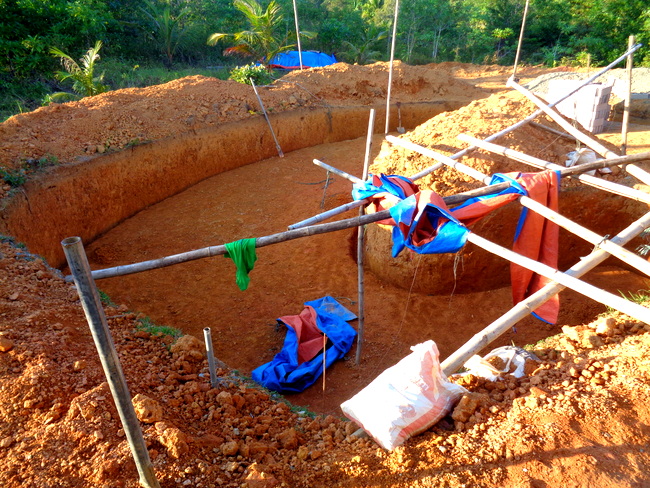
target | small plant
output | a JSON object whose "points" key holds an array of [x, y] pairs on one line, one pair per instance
{"points": [[244, 74], [154, 329], [105, 299], [84, 81], [641, 296], [13, 177]]}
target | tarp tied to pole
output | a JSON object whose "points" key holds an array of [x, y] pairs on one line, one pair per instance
{"points": [[423, 223]]}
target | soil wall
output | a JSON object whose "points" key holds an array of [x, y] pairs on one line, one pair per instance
{"points": [[91, 196]]}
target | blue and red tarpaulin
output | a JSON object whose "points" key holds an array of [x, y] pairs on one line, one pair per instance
{"points": [[300, 362], [423, 223]]}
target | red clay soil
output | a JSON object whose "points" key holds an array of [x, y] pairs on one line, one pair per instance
{"points": [[580, 419]]}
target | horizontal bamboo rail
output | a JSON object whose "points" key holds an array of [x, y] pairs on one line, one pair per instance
{"points": [[490, 333], [593, 181], [337, 171], [211, 251]]}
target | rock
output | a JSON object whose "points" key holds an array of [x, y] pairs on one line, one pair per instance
{"points": [[6, 442], [289, 439], [174, 441], [590, 339], [571, 332], [230, 448], [607, 327], [79, 365], [303, 453], [224, 398], [6, 345], [466, 407], [256, 477], [147, 409], [188, 346]]}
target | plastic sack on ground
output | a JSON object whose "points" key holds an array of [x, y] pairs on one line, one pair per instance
{"points": [[503, 360], [406, 399]]}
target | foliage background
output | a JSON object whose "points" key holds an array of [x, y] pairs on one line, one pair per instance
{"points": [[136, 48]]}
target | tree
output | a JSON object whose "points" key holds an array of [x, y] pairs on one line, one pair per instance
{"points": [[364, 52], [166, 27], [84, 81], [262, 40]]}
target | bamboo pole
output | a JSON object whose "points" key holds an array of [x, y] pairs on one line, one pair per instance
{"points": [[89, 296], [628, 97], [593, 181], [573, 227], [337, 171], [329, 213], [553, 131], [277, 144], [360, 244], [390, 67], [295, 16], [632, 309], [521, 38], [590, 142], [490, 333], [211, 251]]}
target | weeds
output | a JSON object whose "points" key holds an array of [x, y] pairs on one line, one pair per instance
{"points": [[13, 177], [154, 329], [105, 299]]}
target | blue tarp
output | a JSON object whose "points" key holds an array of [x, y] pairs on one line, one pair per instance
{"points": [[310, 59], [285, 373]]}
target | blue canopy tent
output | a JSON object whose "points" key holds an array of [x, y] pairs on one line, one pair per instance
{"points": [[310, 59]]}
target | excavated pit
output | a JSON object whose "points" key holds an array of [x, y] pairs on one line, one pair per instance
{"points": [[169, 200]]}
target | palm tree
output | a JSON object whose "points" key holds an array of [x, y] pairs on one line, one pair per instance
{"points": [[262, 41], [166, 27], [364, 52], [84, 81]]}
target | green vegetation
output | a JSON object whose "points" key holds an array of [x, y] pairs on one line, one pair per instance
{"points": [[155, 41], [150, 326], [244, 74]]}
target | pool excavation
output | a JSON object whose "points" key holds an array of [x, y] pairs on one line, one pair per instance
{"points": [[215, 185]]}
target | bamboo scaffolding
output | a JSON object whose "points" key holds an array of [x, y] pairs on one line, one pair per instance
{"points": [[360, 246], [483, 338], [593, 181], [427, 171], [567, 224], [211, 251], [590, 142]]}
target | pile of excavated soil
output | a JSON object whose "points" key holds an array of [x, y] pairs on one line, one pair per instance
{"points": [[579, 420], [117, 119]]}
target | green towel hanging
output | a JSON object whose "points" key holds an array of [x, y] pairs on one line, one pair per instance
{"points": [[242, 252]]}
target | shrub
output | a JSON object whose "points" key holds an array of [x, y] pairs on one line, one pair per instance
{"points": [[244, 74]]}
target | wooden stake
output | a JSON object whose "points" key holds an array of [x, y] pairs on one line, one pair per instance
{"points": [[277, 144], [360, 245], [628, 97], [324, 358], [523, 309]]}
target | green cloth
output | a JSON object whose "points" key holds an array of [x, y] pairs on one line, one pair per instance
{"points": [[242, 252]]}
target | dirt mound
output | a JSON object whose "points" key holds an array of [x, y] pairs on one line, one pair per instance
{"points": [[580, 416], [121, 118]]}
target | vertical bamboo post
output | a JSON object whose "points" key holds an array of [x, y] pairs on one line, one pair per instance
{"points": [[360, 244], [90, 301], [521, 38], [266, 116], [295, 16], [390, 67], [628, 97], [207, 336]]}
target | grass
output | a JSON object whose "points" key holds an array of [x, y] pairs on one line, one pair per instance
{"points": [[154, 329]]}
